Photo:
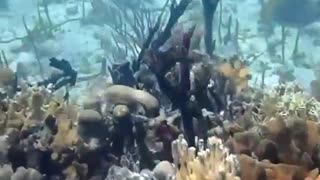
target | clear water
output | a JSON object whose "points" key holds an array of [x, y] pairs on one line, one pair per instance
{"points": [[82, 42]]}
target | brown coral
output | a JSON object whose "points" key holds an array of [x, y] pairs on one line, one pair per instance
{"points": [[236, 72], [7, 76], [67, 135], [253, 169], [134, 99], [37, 114], [16, 116]]}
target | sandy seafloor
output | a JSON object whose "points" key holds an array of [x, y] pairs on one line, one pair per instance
{"points": [[76, 42]]}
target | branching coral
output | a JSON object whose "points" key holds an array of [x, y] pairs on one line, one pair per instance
{"points": [[15, 116], [7, 173], [289, 139], [211, 163], [290, 99], [237, 73], [271, 135], [37, 102], [283, 129], [67, 135]]}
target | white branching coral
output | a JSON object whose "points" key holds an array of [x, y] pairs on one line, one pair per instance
{"points": [[213, 163]]}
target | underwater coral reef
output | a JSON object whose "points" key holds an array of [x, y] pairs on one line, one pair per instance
{"points": [[159, 90]]}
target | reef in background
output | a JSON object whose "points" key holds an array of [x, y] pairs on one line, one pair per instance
{"points": [[158, 92]]}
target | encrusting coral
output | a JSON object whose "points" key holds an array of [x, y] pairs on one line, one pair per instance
{"points": [[119, 94]]}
